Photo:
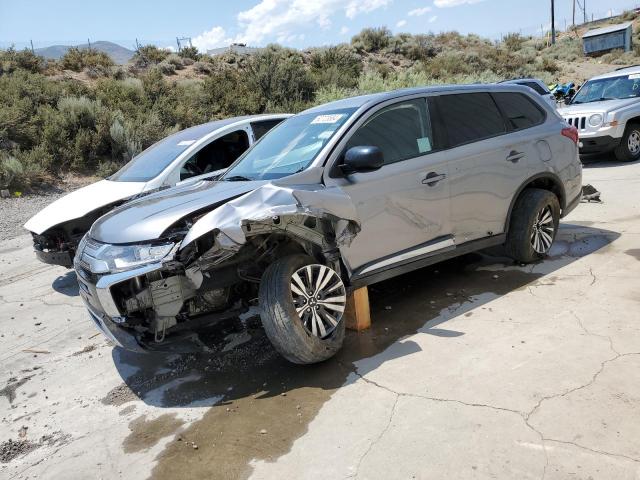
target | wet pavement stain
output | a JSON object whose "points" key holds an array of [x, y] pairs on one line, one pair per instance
{"points": [[146, 433], [260, 403], [9, 390]]}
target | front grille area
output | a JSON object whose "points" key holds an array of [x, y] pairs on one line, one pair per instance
{"points": [[579, 122]]}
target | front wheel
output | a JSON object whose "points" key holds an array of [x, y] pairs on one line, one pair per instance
{"points": [[629, 148], [533, 226], [302, 303]]}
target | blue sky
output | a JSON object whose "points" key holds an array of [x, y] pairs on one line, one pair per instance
{"points": [[295, 23]]}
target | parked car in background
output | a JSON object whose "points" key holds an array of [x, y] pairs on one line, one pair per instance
{"points": [[196, 153], [606, 112], [339, 196], [537, 86]]}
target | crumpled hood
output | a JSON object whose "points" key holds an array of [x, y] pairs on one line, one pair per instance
{"points": [[597, 107], [146, 218], [79, 203]]}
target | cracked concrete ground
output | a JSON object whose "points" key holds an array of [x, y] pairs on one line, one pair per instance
{"points": [[475, 368]]}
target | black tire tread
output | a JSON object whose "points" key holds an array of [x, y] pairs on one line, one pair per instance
{"points": [[531, 200], [281, 322]]}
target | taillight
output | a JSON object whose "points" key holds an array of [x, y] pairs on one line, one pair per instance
{"points": [[572, 133]]}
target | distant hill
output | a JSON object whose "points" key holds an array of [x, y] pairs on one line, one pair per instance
{"points": [[117, 53]]}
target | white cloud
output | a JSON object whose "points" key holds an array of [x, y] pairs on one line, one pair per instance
{"points": [[283, 20], [344, 30], [453, 3], [354, 7], [401, 23], [214, 38], [433, 18], [418, 12]]}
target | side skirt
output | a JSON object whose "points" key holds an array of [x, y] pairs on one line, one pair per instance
{"points": [[359, 279]]}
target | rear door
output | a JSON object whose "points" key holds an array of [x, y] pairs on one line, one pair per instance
{"points": [[404, 206], [487, 164]]}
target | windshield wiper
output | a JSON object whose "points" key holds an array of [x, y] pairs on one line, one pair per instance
{"points": [[237, 178]]}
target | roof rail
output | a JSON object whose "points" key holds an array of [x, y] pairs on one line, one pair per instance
{"points": [[630, 66]]}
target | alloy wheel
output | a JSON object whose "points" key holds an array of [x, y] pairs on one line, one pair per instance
{"points": [[543, 230], [319, 297], [633, 142]]}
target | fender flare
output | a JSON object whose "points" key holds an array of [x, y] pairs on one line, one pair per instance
{"points": [[549, 176]]}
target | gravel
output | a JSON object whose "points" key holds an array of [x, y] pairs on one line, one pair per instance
{"points": [[15, 211]]}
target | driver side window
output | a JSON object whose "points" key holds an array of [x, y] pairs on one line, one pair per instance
{"points": [[401, 131], [216, 155]]}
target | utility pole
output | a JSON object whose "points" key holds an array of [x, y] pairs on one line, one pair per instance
{"points": [[584, 10], [32, 50], [574, 14], [553, 23]]}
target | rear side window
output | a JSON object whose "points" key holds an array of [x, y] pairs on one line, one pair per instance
{"points": [[469, 117], [519, 110], [401, 131], [536, 87]]}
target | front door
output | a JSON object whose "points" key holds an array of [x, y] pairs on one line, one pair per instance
{"points": [[404, 206]]}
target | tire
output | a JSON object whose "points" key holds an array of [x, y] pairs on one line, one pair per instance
{"points": [[629, 148], [296, 340], [525, 242]]}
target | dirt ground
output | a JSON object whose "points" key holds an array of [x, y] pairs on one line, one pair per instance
{"points": [[476, 368]]}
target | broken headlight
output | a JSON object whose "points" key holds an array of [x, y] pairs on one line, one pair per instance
{"points": [[116, 258]]}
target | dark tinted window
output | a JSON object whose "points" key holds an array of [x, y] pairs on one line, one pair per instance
{"points": [[519, 110], [216, 155], [401, 131], [536, 87], [263, 126], [469, 117]]}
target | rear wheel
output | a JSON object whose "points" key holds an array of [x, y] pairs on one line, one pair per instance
{"points": [[302, 304], [629, 148], [534, 224]]}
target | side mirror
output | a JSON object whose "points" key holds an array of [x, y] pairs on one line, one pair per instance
{"points": [[362, 159], [567, 100]]}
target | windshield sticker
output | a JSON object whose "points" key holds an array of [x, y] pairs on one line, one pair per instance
{"points": [[634, 76], [186, 143], [424, 145], [333, 118]]}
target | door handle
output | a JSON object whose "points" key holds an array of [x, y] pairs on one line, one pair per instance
{"points": [[515, 156], [433, 178]]}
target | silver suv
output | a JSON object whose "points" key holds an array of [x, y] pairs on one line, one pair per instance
{"points": [[339, 196], [606, 112]]}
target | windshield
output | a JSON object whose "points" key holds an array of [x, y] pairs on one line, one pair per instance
{"points": [[290, 147], [625, 86], [148, 164]]}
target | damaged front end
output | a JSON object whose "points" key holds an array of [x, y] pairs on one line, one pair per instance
{"points": [[207, 267]]}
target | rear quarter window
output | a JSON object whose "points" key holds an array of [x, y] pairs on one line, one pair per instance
{"points": [[470, 117], [519, 111]]}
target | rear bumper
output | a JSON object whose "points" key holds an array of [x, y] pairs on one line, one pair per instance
{"points": [[62, 258], [598, 144]]}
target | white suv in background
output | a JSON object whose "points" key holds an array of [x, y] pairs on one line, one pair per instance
{"points": [[606, 112]]}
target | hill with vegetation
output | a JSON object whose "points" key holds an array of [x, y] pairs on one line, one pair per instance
{"points": [[119, 54], [85, 114]]}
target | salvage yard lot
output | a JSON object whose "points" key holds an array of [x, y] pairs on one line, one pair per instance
{"points": [[475, 368]]}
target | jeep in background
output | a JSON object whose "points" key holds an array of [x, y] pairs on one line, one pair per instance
{"points": [[190, 155], [339, 196], [606, 112]]}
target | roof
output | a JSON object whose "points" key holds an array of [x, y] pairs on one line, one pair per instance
{"points": [[374, 98], [619, 73], [198, 131], [608, 29]]}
